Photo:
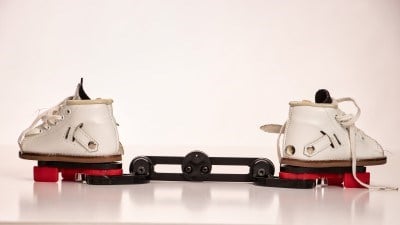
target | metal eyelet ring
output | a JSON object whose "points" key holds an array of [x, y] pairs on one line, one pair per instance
{"points": [[290, 150], [310, 150], [92, 145]]}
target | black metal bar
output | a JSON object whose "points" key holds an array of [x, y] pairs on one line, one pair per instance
{"points": [[165, 159], [230, 177], [114, 180], [197, 166], [232, 161], [284, 183], [167, 176]]}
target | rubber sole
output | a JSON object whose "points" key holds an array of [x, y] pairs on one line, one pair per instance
{"points": [[50, 174], [332, 163], [64, 158], [336, 179], [332, 170]]}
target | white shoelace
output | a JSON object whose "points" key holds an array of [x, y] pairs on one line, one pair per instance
{"points": [[49, 118], [347, 121]]}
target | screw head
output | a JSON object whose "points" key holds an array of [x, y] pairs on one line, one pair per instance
{"points": [[188, 169], [310, 150], [141, 170], [205, 169], [261, 172], [92, 145]]}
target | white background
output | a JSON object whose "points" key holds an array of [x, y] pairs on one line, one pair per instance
{"points": [[200, 73]]}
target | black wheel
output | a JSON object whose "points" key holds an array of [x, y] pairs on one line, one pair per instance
{"points": [[196, 166], [141, 166], [262, 168]]}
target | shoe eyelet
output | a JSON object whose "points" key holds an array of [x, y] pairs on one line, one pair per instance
{"points": [[310, 150], [290, 150], [68, 111], [92, 145]]}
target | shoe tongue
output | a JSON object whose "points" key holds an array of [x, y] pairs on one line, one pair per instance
{"points": [[80, 94], [323, 96]]}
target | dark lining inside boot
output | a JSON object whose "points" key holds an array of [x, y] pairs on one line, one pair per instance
{"points": [[82, 93], [323, 96]]}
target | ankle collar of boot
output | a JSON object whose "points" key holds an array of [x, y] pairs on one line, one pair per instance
{"points": [[90, 102], [312, 104]]}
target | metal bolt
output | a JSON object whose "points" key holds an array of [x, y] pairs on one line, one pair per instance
{"points": [[141, 170], [261, 172], [321, 182], [310, 150], [92, 145], [188, 169], [79, 177], [205, 169]]}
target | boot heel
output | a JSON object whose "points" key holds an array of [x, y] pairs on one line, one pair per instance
{"points": [[350, 182], [45, 174]]}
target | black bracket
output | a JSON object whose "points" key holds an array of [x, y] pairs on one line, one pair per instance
{"points": [[197, 166]]}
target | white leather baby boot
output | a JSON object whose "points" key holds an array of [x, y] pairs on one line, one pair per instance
{"points": [[321, 135], [78, 129]]}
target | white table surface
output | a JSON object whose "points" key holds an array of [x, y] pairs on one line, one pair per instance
{"points": [[24, 201]]}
